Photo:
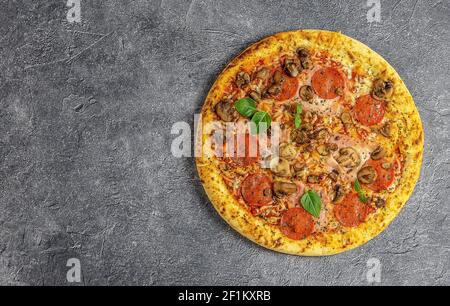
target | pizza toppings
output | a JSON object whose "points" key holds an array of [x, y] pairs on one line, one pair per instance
{"points": [[328, 83], [226, 111], [382, 90], [348, 158], [367, 175], [378, 153], [242, 79], [296, 223], [385, 174], [351, 211], [369, 111], [256, 190], [284, 188], [326, 144], [306, 93]]}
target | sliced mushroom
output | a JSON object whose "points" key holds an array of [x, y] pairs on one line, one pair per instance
{"points": [[298, 166], [323, 150], [274, 89], [346, 118], [226, 111], [262, 73], [338, 193], [309, 148], [288, 151], [280, 167], [299, 136], [255, 96], [242, 78], [292, 67], [348, 157], [367, 175], [284, 188], [382, 89], [306, 93], [385, 130], [277, 77], [334, 175], [332, 146], [304, 57], [307, 126], [319, 134], [313, 179], [378, 153]]}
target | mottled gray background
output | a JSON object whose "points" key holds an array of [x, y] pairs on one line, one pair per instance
{"points": [[85, 164]]}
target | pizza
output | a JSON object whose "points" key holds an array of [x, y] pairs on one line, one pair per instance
{"points": [[349, 143]]}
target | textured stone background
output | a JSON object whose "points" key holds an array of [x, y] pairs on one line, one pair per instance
{"points": [[85, 119]]}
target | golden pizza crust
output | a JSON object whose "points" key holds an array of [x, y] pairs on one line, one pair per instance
{"points": [[409, 128]]}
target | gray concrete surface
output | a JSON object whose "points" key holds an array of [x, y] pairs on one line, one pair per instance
{"points": [[85, 164]]}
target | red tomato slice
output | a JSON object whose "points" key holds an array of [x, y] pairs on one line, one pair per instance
{"points": [[385, 177], [369, 111], [249, 158], [289, 89], [296, 223], [256, 190], [351, 211], [327, 82]]}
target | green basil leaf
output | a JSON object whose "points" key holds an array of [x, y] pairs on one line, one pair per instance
{"points": [[362, 197], [311, 202], [246, 107], [297, 121], [299, 109], [261, 122]]}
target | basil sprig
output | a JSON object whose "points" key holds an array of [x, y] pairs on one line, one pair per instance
{"points": [[247, 108], [362, 197], [311, 202], [297, 119]]}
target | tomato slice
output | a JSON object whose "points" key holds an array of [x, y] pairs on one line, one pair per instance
{"points": [[256, 190], [369, 111], [385, 177], [327, 82], [296, 223], [289, 89], [351, 211], [249, 157]]}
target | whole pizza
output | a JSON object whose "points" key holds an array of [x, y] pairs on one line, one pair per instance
{"points": [[310, 143]]}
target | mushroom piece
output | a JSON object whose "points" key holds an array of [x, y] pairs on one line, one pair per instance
{"points": [[338, 193], [306, 93], [277, 77], [288, 151], [323, 150], [284, 188], [348, 157], [292, 67], [307, 126], [367, 175], [274, 89], [262, 73], [280, 167], [382, 90], [255, 96], [385, 130], [226, 111], [319, 134], [378, 153], [346, 118], [300, 137], [304, 57], [313, 179], [333, 175], [332, 146], [242, 78]]}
